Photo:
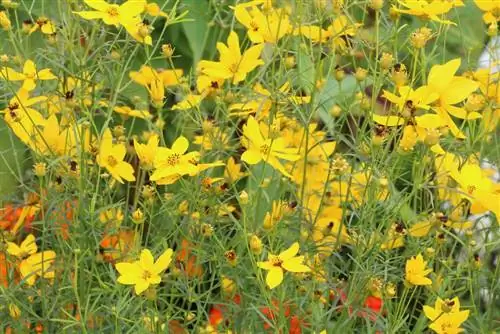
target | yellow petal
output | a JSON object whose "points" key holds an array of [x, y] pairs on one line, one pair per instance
{"points": [[290, 252], [274, 277]]}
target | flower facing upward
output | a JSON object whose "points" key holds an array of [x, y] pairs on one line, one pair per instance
{"points": [[285, 261], [416, 271], [29, 75], [232, 63], [145, 271], [111, 157], [268, 149], [446, 316], [174, 161]]}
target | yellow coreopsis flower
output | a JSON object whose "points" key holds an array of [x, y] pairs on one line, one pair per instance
{"points": [[269, 27], [445, 316], [147, 152], [270, 150], [232, 63], [428, 9], [451, 90], [491, 9], [111, 157], [416, 271], [126, 111], [144, 272], [174, 161], [22, 119], [232, 172], [45, 25], [112, 14], [285, 261], [5, 21], [478, 188], [32, 264], [29, 76]]}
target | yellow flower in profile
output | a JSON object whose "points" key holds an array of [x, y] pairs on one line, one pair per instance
{"points": [[5, 21], [445, 316], [174, 161], [29, 76], [285, 261], [232, 172], [144, 272], [416, 271], [126, 111], [112, 14], [147, 152], [232, 63], [270, 150], [111, 157], [189, 102]]}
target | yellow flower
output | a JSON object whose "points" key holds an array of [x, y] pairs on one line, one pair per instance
{"points": [[475, 186], [129, 112], [232, 172], [451, 90], [28, 76], [38, 265], [491, 9], [428, 9], [26, 248], [232, 63], [145, 271], [175, 162], [4, 21], [111, 157], [260, 148], [156, 82], [112, 14], [285, 261], [416, 271], [269, 27], [445, 316], [147, 153], [189, 102], [45, 25], [22, 119]]}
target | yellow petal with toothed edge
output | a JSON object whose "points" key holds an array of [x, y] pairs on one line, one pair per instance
{"points": [[7, 73], [265, 265], [46, 74], [460, 89], [99, 5], [388, 120], [429, 121], [29, 244], [126, 171], [274, 277], [251, 157], [140, 286], [146, 259], [290, 252], [163, 261], [440, 76], [129, 273], [295, 265], [90, 15], [132, 8], [14, 249]]}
